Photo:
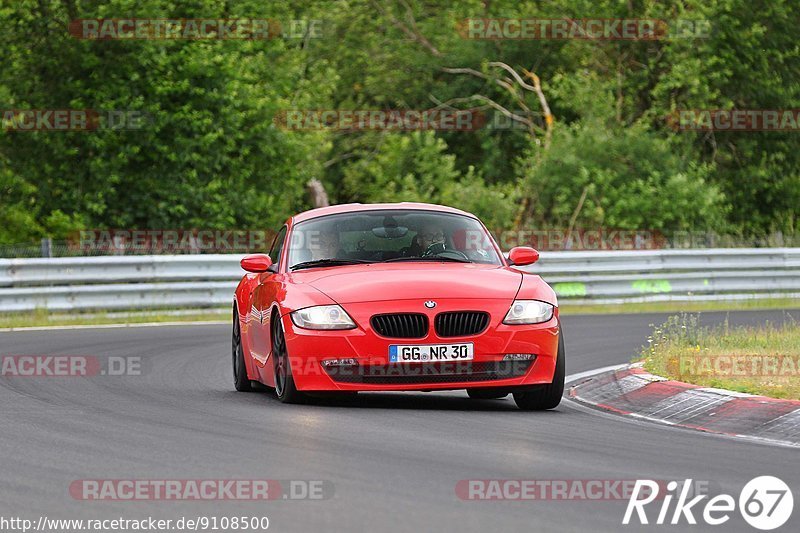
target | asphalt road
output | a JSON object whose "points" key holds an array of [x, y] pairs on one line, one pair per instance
{"points": [[393, 460]]}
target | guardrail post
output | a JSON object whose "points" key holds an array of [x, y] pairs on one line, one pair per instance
{"points": [[47, 247]]}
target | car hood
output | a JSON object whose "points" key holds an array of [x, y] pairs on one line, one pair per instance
{"points": [[381, 282]]}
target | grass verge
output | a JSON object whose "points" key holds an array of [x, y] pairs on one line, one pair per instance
{"points": [[762, 360], [567, 308]]}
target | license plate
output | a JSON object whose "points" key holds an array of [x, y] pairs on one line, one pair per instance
{"points": [[426, 353]]}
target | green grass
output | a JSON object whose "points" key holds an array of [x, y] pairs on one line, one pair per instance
{"points": [[567, 308], [761, 359], [42, 318]]}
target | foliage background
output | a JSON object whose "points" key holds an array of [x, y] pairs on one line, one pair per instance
{"points": [[213, 158]]}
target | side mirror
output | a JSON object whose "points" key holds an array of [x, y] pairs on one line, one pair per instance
{"points": [[523, 255], [256, 263]]}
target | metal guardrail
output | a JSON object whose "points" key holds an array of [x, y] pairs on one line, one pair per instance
{"points": [[183, 281], [646, 276], [118, 269]]}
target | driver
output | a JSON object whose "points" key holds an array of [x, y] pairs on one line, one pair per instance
{"points": [[431, 239], [429, 235]]}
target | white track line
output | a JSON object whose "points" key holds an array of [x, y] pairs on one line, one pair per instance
{"points": [[590, 373]]}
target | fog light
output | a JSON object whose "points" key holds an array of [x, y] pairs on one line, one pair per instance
{"points": [[518, 357], [327, 363]]}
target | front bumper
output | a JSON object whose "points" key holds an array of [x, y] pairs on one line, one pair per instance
{"points": [[373, 372]]}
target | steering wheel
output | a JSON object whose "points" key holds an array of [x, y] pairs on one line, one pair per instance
{"points": [[438, 248]]}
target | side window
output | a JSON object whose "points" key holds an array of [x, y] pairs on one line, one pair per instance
{"points": [[277, 246]]}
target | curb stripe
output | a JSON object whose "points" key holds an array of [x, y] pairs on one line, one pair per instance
{"points": [[631, 391]]}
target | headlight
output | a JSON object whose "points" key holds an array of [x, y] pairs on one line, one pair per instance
{"points": [[528, 312], [322, 317]]}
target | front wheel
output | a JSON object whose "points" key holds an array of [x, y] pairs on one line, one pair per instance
{"points": [[546, 396], [284, 382]]}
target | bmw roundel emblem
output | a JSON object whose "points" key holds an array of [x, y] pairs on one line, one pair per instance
{"points": [[430, 304]]}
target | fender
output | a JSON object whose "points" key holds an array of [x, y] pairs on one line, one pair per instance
{"points": [[534, 288], [302, 296], [243, 301], [244, 292]]}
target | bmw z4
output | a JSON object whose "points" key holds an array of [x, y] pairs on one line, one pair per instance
{"points": [[396, 297]]}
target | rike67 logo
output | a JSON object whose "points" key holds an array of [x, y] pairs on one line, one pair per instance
{"points": [[765, 503]]}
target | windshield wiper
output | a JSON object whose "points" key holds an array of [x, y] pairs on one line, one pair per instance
{"points": [[428, 258], [328, 262]]}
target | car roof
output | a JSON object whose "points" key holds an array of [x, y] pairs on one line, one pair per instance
{"points": [[355, 208]]}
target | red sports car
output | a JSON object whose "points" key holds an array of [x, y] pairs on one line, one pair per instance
{"points": [[396, 297]]}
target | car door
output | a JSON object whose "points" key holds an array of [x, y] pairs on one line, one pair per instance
{"points": [[264, 295]]}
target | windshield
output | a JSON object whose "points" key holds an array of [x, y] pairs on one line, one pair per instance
{"points": [[390, 235]]}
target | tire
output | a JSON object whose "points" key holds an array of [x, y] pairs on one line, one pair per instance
{"points": [[486, 394], [240, 379], [285, 389], [548, 396]]}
